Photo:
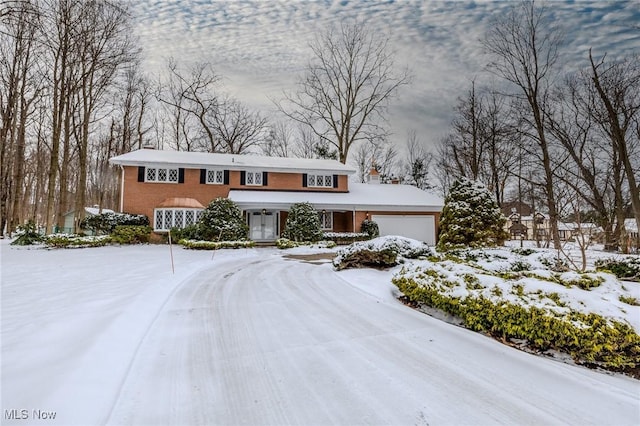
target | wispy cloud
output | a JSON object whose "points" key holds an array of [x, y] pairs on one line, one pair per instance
{"points": [[260, 47]]}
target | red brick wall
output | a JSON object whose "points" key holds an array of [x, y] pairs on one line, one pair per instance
{"points": [[143, 197]]}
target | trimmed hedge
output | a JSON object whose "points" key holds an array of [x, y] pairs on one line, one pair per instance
{"points": [[344, 238], [215, 245], [75, 241], [589, 338], [131, 234]]}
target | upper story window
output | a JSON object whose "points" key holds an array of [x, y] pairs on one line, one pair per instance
{"points": [[320, 181], [153, 174], [254, 178], [215, 176]]}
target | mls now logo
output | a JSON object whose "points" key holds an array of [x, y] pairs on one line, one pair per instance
{"points": [[18, 414]]}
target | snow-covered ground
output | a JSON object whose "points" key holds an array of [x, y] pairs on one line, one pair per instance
{"points": [[110, 335]]}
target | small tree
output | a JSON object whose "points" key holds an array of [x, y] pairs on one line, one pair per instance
{"points": [[471, 217], [303, 223], [370, 227], [222, 220]]}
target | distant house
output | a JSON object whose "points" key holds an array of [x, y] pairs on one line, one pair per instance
{"points": [[522, 221], [172, 188]]}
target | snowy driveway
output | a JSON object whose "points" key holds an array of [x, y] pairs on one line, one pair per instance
{"points": [[253, 338]]}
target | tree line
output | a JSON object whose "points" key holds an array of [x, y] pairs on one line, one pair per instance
{"points": [[567, 142], [73, 94]]}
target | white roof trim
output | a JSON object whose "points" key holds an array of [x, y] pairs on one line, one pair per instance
{"points": [[197, 160], [361, 197]]}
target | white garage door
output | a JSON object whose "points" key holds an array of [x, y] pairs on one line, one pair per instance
{"points": [[421, 228]]}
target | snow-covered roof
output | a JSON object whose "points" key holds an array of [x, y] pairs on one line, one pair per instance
{"points": [[147, 157], [361, 196], [96, 210], [630, 225]]}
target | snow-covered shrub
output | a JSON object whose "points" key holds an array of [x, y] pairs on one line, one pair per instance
{"points": [[285, 243], [627, 269], [382, 252], [470, 217], [131, 234], [105, 223], [75, 241], [370, 228], [545, 320], [215, 245], [27, 235], [303, 223], [222, 220], [343, 238]]}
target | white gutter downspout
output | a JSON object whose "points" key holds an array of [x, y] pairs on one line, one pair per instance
{"points": [[121, 189]]}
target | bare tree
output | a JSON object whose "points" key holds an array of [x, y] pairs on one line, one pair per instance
{"points": [[237, 128], [618, 88], [104, 47], [481, 144], [20, 87], [418, 163], [280, 140], [524, 46], [346, 88], [190, 97]]}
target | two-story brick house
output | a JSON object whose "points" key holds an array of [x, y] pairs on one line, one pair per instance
{"points": [[172, 188]]}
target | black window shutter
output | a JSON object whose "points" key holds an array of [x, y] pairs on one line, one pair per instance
{"points": [[243, 178], [141, 174], [226, 177], [335, 181], [180, 175], [264, 178], [304, 180], [203, 175]]}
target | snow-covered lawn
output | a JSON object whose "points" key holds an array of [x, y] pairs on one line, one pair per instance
{"points": [[110, 335]]}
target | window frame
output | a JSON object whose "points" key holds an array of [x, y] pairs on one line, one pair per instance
{"points": [[215, 172], [162, 214], [253, 175], [323, 220], [313, 177], [167, 173]]}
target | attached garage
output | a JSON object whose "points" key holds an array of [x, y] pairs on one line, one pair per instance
{"points": [[418, 227]]}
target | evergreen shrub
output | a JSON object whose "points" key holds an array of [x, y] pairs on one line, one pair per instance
{"points": [[222, 220], [470, 217], [303, 223]]}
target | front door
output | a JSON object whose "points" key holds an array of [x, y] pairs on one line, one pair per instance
{"points": [[263, 225]]}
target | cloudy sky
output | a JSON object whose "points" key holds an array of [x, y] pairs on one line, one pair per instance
{"points": [[261, 47]]}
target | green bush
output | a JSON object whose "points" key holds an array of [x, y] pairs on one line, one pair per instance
{"points": [[471, 217], [222, 220], [303, 223], [589, 338], [75, 241], [370, 228], [215, 245], [625, 269], [131, 234], [106, 223], [27, 235], [191, 232], [285, 243]]}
